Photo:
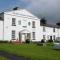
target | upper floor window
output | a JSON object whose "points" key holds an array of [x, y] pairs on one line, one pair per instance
{"points": [[54, 37], [24, 23], [53, 29], [13, 34], [19, 22], [29, 23], [44, 29], [13, 22], [33, 24]]}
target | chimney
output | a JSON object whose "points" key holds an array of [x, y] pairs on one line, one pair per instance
{"points": [[16, 8]]}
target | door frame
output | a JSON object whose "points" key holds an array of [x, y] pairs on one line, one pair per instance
{"points": [[26, 36]]}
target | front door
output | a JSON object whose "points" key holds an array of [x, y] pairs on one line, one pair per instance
{"points": [[50, 37], [28, 36], [23, 37]]}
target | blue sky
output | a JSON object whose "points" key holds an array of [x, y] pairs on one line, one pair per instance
{"points": [[41, 8], [7, 4]]}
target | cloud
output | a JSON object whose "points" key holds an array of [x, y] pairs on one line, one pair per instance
{"points": [[44, 8]]}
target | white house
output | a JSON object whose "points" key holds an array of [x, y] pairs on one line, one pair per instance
{"points": [[20, 24]]}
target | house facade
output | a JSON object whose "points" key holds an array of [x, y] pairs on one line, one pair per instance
{"points": [[20, 24]]}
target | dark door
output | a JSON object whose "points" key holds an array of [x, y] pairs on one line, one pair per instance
{"points": [[50, 37], [28, 36]]}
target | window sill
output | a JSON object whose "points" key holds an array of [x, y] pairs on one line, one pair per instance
{"points": [[33, 39], [24, 26], [13, 25]]}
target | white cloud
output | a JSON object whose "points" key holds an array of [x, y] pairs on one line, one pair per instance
{"points": [[44, 7]]}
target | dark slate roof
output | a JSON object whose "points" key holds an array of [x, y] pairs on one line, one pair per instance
{"points": [[50, 25]]}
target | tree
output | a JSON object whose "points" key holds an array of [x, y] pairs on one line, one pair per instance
{"points": [[16, 8], [43, 21], [58, 24]]}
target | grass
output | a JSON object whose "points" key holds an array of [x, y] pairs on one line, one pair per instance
{"points": [[32, 51], [3, 58]]}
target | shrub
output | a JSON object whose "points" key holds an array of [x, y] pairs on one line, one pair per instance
{"points": [[40, 44], [50, 41], [42, 41], [28, 41], [3, 41]]}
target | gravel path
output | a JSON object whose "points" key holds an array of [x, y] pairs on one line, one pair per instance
{"points": [[11, 56]]}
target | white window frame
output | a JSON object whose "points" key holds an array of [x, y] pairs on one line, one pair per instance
{"points": [[33, 35], [33, 24], [13, 34], [13, 22]]}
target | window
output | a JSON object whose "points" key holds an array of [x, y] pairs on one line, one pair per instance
{"points": [[53, 29], [19, 22], [13, 22], [29, 23], [33, 34], [44, 37], [24, 26], [44, 29], [33, 24], [24, 23], [54, 37], [48, 37], [13, 34]]}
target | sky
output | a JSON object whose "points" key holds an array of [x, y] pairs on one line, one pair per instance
{"points": [[50, 9]]}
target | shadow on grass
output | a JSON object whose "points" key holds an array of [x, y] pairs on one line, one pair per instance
{"points": [[12, 56]]}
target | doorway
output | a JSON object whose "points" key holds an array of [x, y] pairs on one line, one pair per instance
{"points": [[50, 37], [24, 36]]}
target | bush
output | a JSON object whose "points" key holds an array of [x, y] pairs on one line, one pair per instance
{"points": [[50, 41], [40, 44], [42, 41], [28, 41], [3, 41]]}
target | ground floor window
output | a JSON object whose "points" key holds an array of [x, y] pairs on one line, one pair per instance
{"points": [[13, 34], [44, 37], [54, 37], [33, 34], [48, 37]]}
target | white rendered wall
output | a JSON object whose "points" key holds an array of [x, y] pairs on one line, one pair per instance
{"points": [[23, 15], [1, 30], [8, 24]]}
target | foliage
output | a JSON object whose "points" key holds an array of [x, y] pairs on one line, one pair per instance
{"points": [[58, 24], [27, 41], [43, 21], [3, 41], [42, 41], [49, 41], [3, 58]]}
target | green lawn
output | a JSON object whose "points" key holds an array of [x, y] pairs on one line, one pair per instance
{"points": [[32, 51], [3, 58]]}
